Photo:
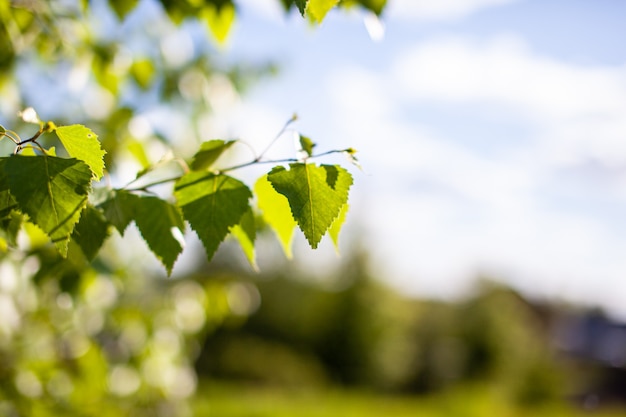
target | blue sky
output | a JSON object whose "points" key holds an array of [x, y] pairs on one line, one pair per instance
{"points": [[492, 133]]}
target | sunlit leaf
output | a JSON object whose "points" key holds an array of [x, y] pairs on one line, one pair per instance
{"points": [[276, 212], [52, 191], [315, 194], [81, 143], [212, 204]]}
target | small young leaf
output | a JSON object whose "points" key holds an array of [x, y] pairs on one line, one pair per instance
{"points": [[315, 193], [212, 204], [245, 233], [307, 145], [52, 191], [208, 153], [91, 231], [81, 143], [2, 130], [276, 213]]}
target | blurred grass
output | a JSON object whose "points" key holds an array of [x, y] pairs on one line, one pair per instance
{"points": [[233, 400]]}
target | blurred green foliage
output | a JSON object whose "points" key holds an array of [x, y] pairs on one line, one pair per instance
{"points": [[362, 334]]}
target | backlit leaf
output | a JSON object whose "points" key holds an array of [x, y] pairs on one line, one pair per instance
{"points": [[335, 228], [81, 143], [276, 212], [52, 191], [316, 195], [212, 204]]}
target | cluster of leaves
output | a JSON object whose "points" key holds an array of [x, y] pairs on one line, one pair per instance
{"points": [[56, 194]]}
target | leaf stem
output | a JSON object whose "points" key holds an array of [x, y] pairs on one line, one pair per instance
{"points": [[231, 168], [280, 133]]}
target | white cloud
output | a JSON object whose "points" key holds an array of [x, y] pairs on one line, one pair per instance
{"points": [[445, 210], [439, 9], [580, 109]]}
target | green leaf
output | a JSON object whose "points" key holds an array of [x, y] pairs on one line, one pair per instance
{"points": [[212, 204], [161, 226], [315, 193], [317, 9], [276, 212], [119, 210], [219, 19], [91, 231], [122, 7], [307, 145], [208, 153], [335, 228], [245, 233], [81, 143], [158, 221], [52, 191]]}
